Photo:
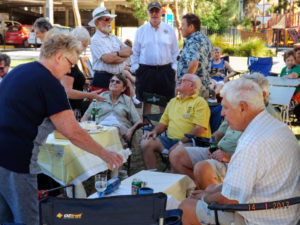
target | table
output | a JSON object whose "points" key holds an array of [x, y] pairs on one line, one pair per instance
{"points": [[280, 81], [66, 163], [281, 96], [174, 185]]}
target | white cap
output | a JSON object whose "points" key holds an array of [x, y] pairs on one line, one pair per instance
{"points": [[99, 12]]}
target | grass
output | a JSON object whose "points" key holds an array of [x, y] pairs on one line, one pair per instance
{"points": [[17, 62]]}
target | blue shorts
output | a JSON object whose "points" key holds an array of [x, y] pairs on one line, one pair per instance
{"points": [[167, 142]]}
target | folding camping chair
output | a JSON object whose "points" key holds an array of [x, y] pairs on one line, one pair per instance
{"points": [[280, 204], [261, 65], [116, 210]]}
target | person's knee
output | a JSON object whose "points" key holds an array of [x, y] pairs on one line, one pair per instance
{"points": [[175, 155], [201, 167]]}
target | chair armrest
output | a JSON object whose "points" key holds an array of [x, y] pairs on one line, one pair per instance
{"points": [[198, 141], [44, 193], [285, 203]]}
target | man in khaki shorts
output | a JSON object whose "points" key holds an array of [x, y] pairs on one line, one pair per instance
{"points": [[200, 164]]}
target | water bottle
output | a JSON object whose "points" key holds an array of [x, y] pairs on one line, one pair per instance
{"points": [[94, 112], [213, 145]]}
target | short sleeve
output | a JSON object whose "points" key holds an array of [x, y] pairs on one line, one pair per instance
{"points": [[201, 114], [165, 117], [54, 94], [223, 127]]}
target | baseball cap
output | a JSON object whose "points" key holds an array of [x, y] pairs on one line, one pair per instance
{"points": [[154, 5]]}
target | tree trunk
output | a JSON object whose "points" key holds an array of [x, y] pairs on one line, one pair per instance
{"points": [[174, 9]]}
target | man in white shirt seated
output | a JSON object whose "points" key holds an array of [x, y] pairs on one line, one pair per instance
{"points": [[4, 65], [265, 166], [154, 58]]}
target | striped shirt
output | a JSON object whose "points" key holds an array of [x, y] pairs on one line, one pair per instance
{"points": [[265, 167], [103, 44]]}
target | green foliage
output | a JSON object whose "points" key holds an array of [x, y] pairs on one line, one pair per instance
{"points": [[254, 47], [217, 15], [140, 8]]}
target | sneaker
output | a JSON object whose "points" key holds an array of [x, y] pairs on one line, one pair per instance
{"points": [[135, 100]]}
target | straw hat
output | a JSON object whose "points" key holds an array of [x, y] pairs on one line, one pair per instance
{"points": [[99, 12]]}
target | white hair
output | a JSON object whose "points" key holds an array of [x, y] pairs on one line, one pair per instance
{"points": [[260, 79], [243, 90], [81, 34], [196, 80]]}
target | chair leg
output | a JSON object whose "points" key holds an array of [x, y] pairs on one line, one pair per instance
{"points": [[216, 217]]}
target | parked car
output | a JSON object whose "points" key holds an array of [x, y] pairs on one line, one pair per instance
{"points": [[4, 24], [18, 35], [32, 40]]}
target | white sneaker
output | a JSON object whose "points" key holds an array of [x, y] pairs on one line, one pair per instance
{"points": [[135, 100]]}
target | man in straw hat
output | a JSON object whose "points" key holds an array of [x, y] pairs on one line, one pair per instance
{"points": [[108, 52]]}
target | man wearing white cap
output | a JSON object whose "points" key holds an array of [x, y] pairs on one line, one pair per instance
{"points": [[108, 52], [154, 58]]}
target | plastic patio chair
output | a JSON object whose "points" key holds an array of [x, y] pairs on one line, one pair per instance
{"points": [[261, 65], [285, 203]]}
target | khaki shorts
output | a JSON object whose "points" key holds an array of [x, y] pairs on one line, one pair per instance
{"points": [[197, 154], [206, 216]]}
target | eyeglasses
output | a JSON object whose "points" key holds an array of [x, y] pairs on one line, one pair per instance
{"points": [[105, 19], [184, 80], [72, 65], [115, 81]]}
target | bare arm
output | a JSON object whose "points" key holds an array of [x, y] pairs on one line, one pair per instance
{"points": [[112, 58], [193, 65], [132, 129], [66, 123], [125, 52], [292, 76], [68, 82], [218, 135], [197, 131], [159, 128]]}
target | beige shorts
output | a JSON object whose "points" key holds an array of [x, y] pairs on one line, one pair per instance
{"points": [[197, 154], [206, 216]]}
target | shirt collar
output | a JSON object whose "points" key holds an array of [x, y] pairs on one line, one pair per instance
{"points": [[178, 97], [193, 35]]}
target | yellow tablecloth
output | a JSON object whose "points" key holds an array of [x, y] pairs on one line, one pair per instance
{"points": [[66, 163]]}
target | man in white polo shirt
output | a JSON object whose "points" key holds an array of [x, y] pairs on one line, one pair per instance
{"points": [[108, 52]]}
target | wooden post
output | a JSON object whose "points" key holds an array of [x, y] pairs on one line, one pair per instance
{"points": [[76, 13]]}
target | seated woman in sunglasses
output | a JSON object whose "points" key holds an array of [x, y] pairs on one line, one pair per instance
{"points": [[117, 110]]}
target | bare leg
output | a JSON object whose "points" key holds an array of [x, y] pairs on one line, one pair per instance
{"points": [[204, 175], [147, 109], [181, 162], [188, 207], [149, 147]]}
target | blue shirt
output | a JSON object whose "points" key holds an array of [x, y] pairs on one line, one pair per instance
{"points": [[197, 46], [28, 95]]}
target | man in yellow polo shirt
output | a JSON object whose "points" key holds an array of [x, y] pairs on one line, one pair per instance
{"points": [[187, 113]]}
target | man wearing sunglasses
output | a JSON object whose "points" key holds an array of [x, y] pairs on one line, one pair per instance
{"points": [[4, 65], [108, 52], [155, 50]]}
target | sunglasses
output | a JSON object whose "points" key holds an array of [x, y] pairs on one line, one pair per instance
{"points": [[105, 19], [115, 81]]}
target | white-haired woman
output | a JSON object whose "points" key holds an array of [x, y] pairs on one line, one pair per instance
{"points": [[38, 96], [74, 82]]}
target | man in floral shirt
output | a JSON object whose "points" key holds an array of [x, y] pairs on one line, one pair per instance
{"points": [[196, 52]]}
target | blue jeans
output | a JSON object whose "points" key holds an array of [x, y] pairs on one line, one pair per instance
{"points": [[18, 198]]}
